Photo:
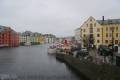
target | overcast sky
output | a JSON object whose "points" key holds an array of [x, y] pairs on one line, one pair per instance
{"points": [[59, 17]]}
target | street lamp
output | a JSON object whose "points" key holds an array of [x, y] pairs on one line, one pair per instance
{"points": [[112, 29]]}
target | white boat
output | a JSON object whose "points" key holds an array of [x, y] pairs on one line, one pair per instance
{"points": [[52, 50], [27, 44]]}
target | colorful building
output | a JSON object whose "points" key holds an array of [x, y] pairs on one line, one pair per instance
{"points": [[97, 32], [25, 38], [30, 38], [8, 37]]}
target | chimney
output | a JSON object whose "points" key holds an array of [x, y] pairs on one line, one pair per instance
{"points": [[103, 18]]}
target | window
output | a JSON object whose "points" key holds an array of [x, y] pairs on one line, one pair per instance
{"points": [[91, 25], [112, 28], [106, 28], [94, 24], [91, 35], [81, 29], [98, 41], [110, 41], [110, 35], [106, 34], [106, 41], [84, 30], [116, 41], [87, 25], [84, 35], [98, 30], [98, 35], [116, 28], [91, 28], [116, 34]]}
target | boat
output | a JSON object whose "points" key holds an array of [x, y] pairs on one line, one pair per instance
{"points": [[27, 44], [52, 49]]}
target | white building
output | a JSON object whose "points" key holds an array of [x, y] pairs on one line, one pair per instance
{"points": [[77, 35], [25, 38], [49, 38]]}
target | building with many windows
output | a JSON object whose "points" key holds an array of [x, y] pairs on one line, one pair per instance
{"points": [[8, 37], [25, 38], [30, 38], [96, 32], [49, 38]]}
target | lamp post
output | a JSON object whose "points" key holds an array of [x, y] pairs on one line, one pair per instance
{"points": [[112, 29]]}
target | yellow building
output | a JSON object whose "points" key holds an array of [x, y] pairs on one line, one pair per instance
{"points": [[97, 32], [40, 39]]}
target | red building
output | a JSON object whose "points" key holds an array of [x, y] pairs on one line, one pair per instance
{"points": [[8, 37]]}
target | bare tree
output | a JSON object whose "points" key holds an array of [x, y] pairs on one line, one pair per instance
{"points": [[88, 41]]}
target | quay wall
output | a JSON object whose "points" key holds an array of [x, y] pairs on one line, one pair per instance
{"points": [[89, 70]]}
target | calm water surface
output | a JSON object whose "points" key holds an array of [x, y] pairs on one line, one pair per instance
{"points": [[32, 63]]}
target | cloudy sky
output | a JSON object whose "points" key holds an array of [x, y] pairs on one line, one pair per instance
{"points": [[59, 17]]}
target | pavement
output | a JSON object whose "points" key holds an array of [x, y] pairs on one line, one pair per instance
{"points": [[99, 59]]}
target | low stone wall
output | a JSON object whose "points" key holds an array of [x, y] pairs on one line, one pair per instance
{"points": [[92, 71]]}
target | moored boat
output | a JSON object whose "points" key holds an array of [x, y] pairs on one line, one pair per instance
{"points": [[52, 49]]}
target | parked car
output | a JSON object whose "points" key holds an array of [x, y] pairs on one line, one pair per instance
{"points": [[84, 49], [117, 49], [104, 50], [83, 52]]}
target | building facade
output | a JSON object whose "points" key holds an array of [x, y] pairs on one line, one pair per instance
{"points": [[100, 32], [8, 37], [31, 38], [49, 38], [77, 35]]}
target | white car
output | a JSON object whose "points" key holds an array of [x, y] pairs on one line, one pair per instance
{"points": [[84, 49]]}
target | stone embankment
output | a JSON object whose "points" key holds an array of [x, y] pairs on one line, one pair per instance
{"points": [[89, 70]]}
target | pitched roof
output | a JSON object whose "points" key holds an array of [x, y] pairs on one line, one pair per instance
{"points": [[109, 21], [2, 28]]}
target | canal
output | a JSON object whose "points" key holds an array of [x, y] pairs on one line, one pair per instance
{"points": [[32, 63]]}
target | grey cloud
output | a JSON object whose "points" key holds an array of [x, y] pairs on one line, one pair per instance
{"points": [[59, 17]]}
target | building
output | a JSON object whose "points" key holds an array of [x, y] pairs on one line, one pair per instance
{"points": [[96, 32], [49, 38], [25, 38], [8, 37], [31, 38], [77, 35], [39, 38]]}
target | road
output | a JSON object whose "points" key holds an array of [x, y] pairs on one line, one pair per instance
{"points": [[32, 63]]}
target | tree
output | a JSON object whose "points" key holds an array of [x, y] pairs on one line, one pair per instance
{"points": [[88, 41]]}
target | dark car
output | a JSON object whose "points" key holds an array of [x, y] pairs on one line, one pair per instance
{"points": [[104, 50], [82, 53]]}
